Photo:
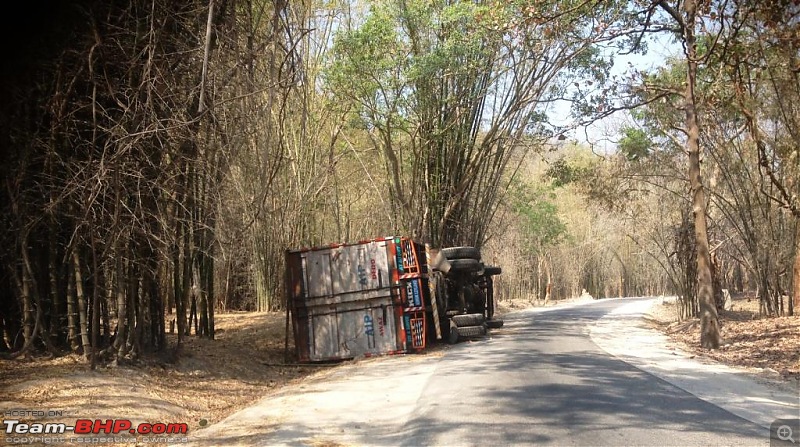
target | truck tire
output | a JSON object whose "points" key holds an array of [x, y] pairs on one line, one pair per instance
{"points": [[468, 320], [494, 324], [452, 334], [472, 331], [491, 270], [465, 265], [461, 253]]}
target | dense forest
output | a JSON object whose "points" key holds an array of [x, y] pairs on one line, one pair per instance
{"points": [[159, 157]]}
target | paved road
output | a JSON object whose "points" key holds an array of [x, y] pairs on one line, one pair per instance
{"points": [[540, 380]]}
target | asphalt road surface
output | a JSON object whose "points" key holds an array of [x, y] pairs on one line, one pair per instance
{"points": [[540, 380]]}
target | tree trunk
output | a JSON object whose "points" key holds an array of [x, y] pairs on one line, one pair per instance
{"points": [[142, 323], [539, 288], [81, 300], [4, 347], [709, 321], [226, 293], [95, 307], [210, 301], [193, 312], [28, 319], [56, 315], [188, 260], [179, 291], [72, 312], [120, 341], [133, 293], [549, 286], [796, 269]]}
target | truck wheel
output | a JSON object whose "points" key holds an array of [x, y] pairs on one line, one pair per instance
{"points": [[452, 336], [491, 270], [494, 324], [472, 331], [461, 253], [468, 320], [466, 265]]}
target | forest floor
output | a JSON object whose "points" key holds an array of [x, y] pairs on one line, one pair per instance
{"points": [[246, 362]]}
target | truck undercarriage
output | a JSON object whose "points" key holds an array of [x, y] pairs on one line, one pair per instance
{"points": [[464, 292]]}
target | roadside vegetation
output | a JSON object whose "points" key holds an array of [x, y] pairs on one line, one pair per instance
{"points": [[160, 157]]}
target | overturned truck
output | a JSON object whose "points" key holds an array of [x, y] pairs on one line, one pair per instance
{"points": [[386, 296]]}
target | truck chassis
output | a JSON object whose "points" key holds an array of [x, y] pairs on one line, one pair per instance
{"points": [[463, 290]]}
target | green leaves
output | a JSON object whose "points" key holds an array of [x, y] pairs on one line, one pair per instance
{"points": [[540, 224], [635, 144], [366, 62], [562, 172]]}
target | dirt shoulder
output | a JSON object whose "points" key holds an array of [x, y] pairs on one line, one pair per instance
{"points": [[210, 380], [768, 348]]}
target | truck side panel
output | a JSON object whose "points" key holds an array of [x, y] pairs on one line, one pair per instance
{"points": [[317, 268], [344, 301], [324, 331], [359, 267]]}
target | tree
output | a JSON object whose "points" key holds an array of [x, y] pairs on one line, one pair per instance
{"points": [[540, 230], [120, 132], [681, 19], [450, 93], [761, 58], [686, 19]]}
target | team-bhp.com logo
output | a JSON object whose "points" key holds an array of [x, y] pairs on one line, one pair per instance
{"points": [[94, 427], [89, 427]]}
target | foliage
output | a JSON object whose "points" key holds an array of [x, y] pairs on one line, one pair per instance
{"points": [[564, 171], [541, 227], [453, 91], [635, 144]]}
